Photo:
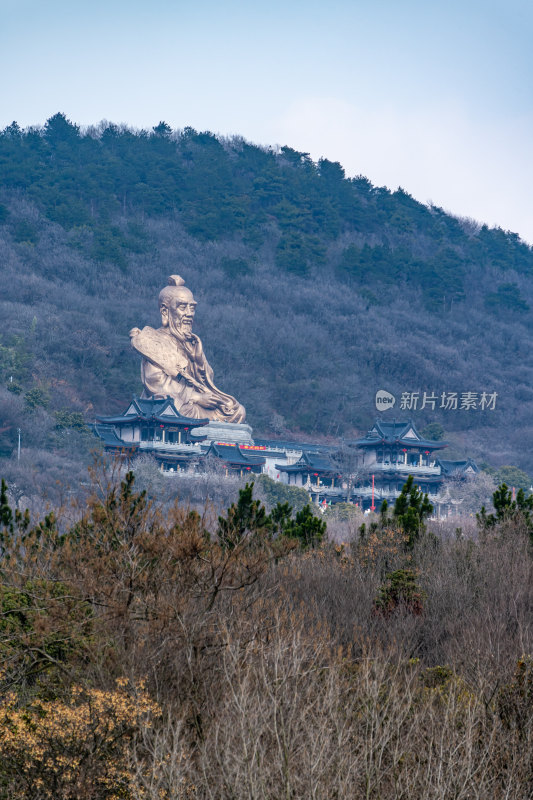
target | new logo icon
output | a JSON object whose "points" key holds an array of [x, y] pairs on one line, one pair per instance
{"points": [[384, 400]]}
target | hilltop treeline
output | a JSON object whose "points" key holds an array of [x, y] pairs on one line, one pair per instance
{"points": [[315, 289], [220, 189], [156, 655]]}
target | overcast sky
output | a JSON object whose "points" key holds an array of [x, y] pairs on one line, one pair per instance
{"points": [[433, 95]]}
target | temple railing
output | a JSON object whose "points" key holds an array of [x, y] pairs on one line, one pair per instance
{"points": [[322, 489], [386, 494], [292, 453], [412, 469], [379, 494], [157, 444]]}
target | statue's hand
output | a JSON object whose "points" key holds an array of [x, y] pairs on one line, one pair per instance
{"points": [[206, 400]]}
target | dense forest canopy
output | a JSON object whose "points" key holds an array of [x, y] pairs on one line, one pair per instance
{"points": [[314, 289]]}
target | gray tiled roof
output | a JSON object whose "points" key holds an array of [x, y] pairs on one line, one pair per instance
{"points": [[309, 462], [107, 434], [395, 433], [233, 454], [448, 467], [152, 409]]}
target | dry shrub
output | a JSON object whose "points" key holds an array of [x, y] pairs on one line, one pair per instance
{"points": [[274, 676], [294, 717], [72, 749]]}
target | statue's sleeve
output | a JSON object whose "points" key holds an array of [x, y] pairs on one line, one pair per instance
{"points": [[204, 364], [159, 384], [158, 348]]}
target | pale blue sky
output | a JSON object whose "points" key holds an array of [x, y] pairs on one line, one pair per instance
{"points": [[432, 95]]}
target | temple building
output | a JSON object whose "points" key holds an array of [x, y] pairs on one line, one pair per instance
{"points": [[153, 421], [391, 451], [185, 422], [314, 467], [155, 427], [382, 462]]}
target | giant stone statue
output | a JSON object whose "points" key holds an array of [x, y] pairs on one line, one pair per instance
{"points": [[174, 363]]}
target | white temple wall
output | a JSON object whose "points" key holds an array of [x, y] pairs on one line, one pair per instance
{"points": [[370, 457], [129, 433]]}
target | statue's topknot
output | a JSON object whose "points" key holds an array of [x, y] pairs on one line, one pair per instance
{"points": [[175, 288]]}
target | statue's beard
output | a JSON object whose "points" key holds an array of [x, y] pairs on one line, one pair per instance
{"points": [[183, 329]]}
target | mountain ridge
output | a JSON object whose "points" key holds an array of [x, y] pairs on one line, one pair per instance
{"points": [[315, 290]]}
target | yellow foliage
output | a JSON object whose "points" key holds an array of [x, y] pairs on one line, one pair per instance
{"points": [[72, 749]]}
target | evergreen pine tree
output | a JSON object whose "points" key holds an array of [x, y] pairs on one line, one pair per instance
{"points": [[246, 517], [308, 529], [506, 508], [412, 507]]}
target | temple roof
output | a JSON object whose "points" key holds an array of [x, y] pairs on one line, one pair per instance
{"points": [[309, 462], [448, 467], [110, 439], [404, 433], [161, 410], [232, 454]]}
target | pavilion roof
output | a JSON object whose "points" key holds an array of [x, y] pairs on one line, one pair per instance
{"points": [[232, 454], [404, 433], [110, 439], [161, 410], [463, 466], [309, 462]]}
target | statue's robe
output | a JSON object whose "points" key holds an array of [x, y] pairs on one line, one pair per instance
{"points": [[176, 367]]}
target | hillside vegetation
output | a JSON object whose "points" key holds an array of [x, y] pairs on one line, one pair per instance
{"points": [[155, 653], [314, 289]]}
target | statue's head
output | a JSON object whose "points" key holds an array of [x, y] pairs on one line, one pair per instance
{"points": [[177, 306]]}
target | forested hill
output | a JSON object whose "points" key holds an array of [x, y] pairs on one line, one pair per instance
{"points": [[315, 289]]}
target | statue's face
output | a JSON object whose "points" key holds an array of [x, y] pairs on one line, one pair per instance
{"points": [[179, 314]]}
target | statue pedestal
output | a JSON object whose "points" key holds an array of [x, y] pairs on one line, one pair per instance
{"points": [[226, 432]]}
